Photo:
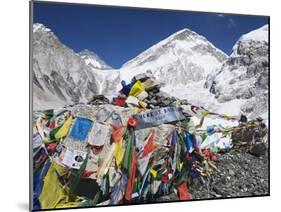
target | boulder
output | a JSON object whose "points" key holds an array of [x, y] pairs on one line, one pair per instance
{"points": [[258, 149], [99, 100]]}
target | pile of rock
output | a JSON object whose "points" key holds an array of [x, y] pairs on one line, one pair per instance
{"points": [[99, 100], [155, 98], [181, 158], [240, 174]]}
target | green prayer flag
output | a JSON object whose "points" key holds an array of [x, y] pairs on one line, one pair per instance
{"points": [[126, 163]]}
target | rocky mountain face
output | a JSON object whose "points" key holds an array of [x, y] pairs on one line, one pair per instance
{"points": [[183, 58], [60, 76], [181, 64], [244, 75], [106, 77], [186, 65]]}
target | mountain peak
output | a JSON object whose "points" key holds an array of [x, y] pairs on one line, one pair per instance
{"points": [[40, 27], [186, 34], [184, 30], [93, 60], [87, 52], [179, 44], [258, 36]]}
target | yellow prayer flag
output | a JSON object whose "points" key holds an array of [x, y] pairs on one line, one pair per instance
{"points": [[181, 165], [53, 192], [153, 172], [136, 89], [119, 152], [62, 132], [227, 117], [204, 112]]}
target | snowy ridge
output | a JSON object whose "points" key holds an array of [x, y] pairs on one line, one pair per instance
{"points": [[182, 57], [259, 35], [61, 76], [40, 27], [158, 46], [92, 59], [181, 63], [244, 76], [107, 80], [186, 64]]}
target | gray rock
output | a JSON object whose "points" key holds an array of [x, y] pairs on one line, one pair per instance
{"points": [[231, 172], [258, 149], [252, 180], [60, 75], [247, 65]]}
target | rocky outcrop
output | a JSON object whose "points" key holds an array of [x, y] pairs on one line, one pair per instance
{"points": [[245, 74], [61, 76], [240, 175]]}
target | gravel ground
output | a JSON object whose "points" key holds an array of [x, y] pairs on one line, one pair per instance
{"points": [[241, 174]]}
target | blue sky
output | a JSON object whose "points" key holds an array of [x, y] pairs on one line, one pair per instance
{"points": [[119, 34]]}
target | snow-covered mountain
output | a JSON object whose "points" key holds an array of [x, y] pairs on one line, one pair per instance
{"points": [[244, 75], [186, 64], [61, 76], [182, 54], [106, 77], [93, 60], [181, 63]]}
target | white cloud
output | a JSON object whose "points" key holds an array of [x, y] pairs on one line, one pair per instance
{"points": [[231, 23], [220, 16]]}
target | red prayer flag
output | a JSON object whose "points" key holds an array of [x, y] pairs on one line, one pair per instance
{"points": [[52, 125], [149, 146], [183, 191], [117, 132]]}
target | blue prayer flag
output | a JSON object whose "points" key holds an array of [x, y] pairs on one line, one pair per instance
{"points": [[81, 128]]}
